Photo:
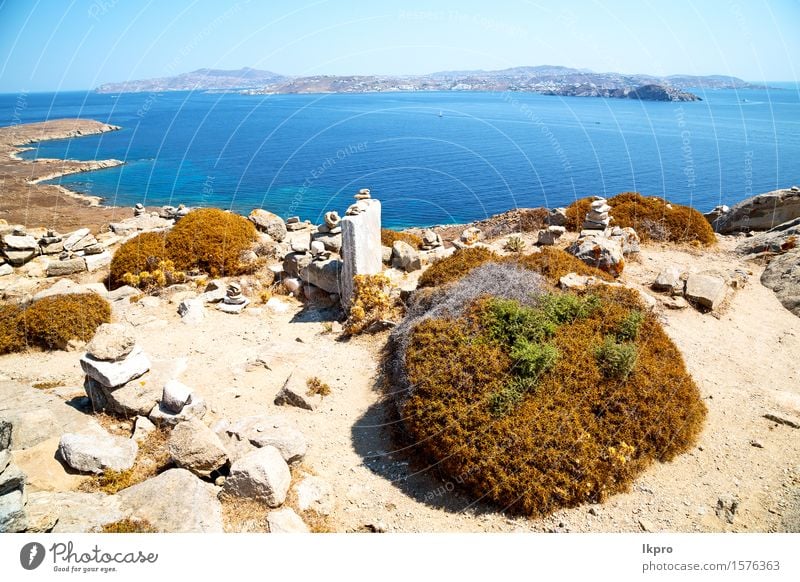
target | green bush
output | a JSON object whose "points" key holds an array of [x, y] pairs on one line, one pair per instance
{"points": [[53, 321], [615, 359], [531, 360], [211, 241], [629, 327]]}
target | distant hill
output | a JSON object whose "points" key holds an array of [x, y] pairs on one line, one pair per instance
{"points": [[544, 79], [201, 79]]}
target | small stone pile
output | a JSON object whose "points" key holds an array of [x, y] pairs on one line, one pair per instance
{"points": [[431, 240], [234, 301], [598, 217], [112, 360], [469, 237], [293, 224], [143, 220], [50, 253], [329, 233]]}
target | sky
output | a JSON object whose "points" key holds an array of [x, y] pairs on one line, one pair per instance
{"points": [[50, 45]]}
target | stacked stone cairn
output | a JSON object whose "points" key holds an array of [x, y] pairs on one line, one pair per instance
{"points": [[234, 301], [598, 217]]}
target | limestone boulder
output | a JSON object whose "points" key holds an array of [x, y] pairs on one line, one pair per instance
{"points": [[782, 275], [707, 290], [270, 223], [116, 373], [112, 342], [265, 430], [285, 520], [760, 212], [195, 447], [72, 511], [175, 501], [262, 475], [405, 257], [323, 274], [13, 518], [97, 451], [293, 393], [66, 267], [669, 280], [600, 252]]}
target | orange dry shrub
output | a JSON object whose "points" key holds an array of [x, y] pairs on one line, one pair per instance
{"points": [[455, 266], [12, 330], [141, 253], [53, 321], [576, 434], [211, 241], [388, 238], [371, 302], [651, 217], [553, 263]]}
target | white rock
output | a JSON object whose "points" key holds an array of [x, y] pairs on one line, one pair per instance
{"points": [[75, 238], [265, 430], [192, 311], [293, 393], [286, 521], [97, 261], [97, 451], [315, 494], [111, 342], [361, 246], [194, 446], [261, 474], [292, 284], [175, 396], [174, 501], [705, 289], [112, 374], [142, 428], [20, 243]]}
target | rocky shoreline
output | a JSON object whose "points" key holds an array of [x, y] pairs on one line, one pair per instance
{"points": [[26, 200]]}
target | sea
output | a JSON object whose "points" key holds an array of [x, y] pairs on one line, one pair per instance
{"points": [[430, 157]]}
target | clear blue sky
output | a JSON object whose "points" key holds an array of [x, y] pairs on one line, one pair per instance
{"points": [[50, 45]]}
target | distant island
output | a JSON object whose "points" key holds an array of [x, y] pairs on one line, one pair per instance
{"points": [[544, 79]]}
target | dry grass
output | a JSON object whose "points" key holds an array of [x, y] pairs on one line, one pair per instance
{"points": [[388, 238], [527, 418], [53, 321], [129, 526], [317, 387], [47, 384], [244, 515], [153, 458], [371, 303], [551, 263], [455, 266]]}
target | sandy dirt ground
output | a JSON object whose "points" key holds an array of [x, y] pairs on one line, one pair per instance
{"points": [[745, 359]]}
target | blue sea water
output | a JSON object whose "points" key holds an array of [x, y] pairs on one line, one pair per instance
{"points": [[432, 158]]}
